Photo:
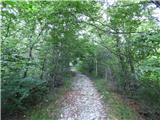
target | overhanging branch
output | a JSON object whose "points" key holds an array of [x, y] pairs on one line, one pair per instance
{"points": [[110, 32]]}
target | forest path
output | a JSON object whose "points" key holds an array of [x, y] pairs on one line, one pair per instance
{"points": [[83, 102]]}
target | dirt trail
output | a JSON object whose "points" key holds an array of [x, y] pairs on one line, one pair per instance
{"points": [[83, 102]]}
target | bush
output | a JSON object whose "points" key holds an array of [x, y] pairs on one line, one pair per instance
{"points": [[20, 93]]}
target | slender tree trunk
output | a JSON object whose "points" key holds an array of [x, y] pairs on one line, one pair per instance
{"points": [[30, 58], [96, 66], [129, 54], [122, 62], [43, 66]]}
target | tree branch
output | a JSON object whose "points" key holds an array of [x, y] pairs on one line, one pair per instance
{"points": [[110, 32]]}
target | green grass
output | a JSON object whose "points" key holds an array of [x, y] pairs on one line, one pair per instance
{"points": [[49, 108], [116, 106]]}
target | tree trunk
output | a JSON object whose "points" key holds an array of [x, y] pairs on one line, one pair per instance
{"points": [[122, 63], [96, 67], [30, 57], [43, 66]]}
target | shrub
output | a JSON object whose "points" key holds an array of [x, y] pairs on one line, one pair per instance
{"points": [[18, 94]]}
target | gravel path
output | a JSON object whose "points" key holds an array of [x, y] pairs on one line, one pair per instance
{"points": [[83, 102]]}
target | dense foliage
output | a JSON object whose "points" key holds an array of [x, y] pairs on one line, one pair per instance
{"points": [[41, 41]]}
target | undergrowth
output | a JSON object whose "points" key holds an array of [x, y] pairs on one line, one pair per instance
{"points": [[115, 106], [49, 108]]}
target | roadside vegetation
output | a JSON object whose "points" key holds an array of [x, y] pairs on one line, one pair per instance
{"points": [[49, 107], [116, 107]]}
